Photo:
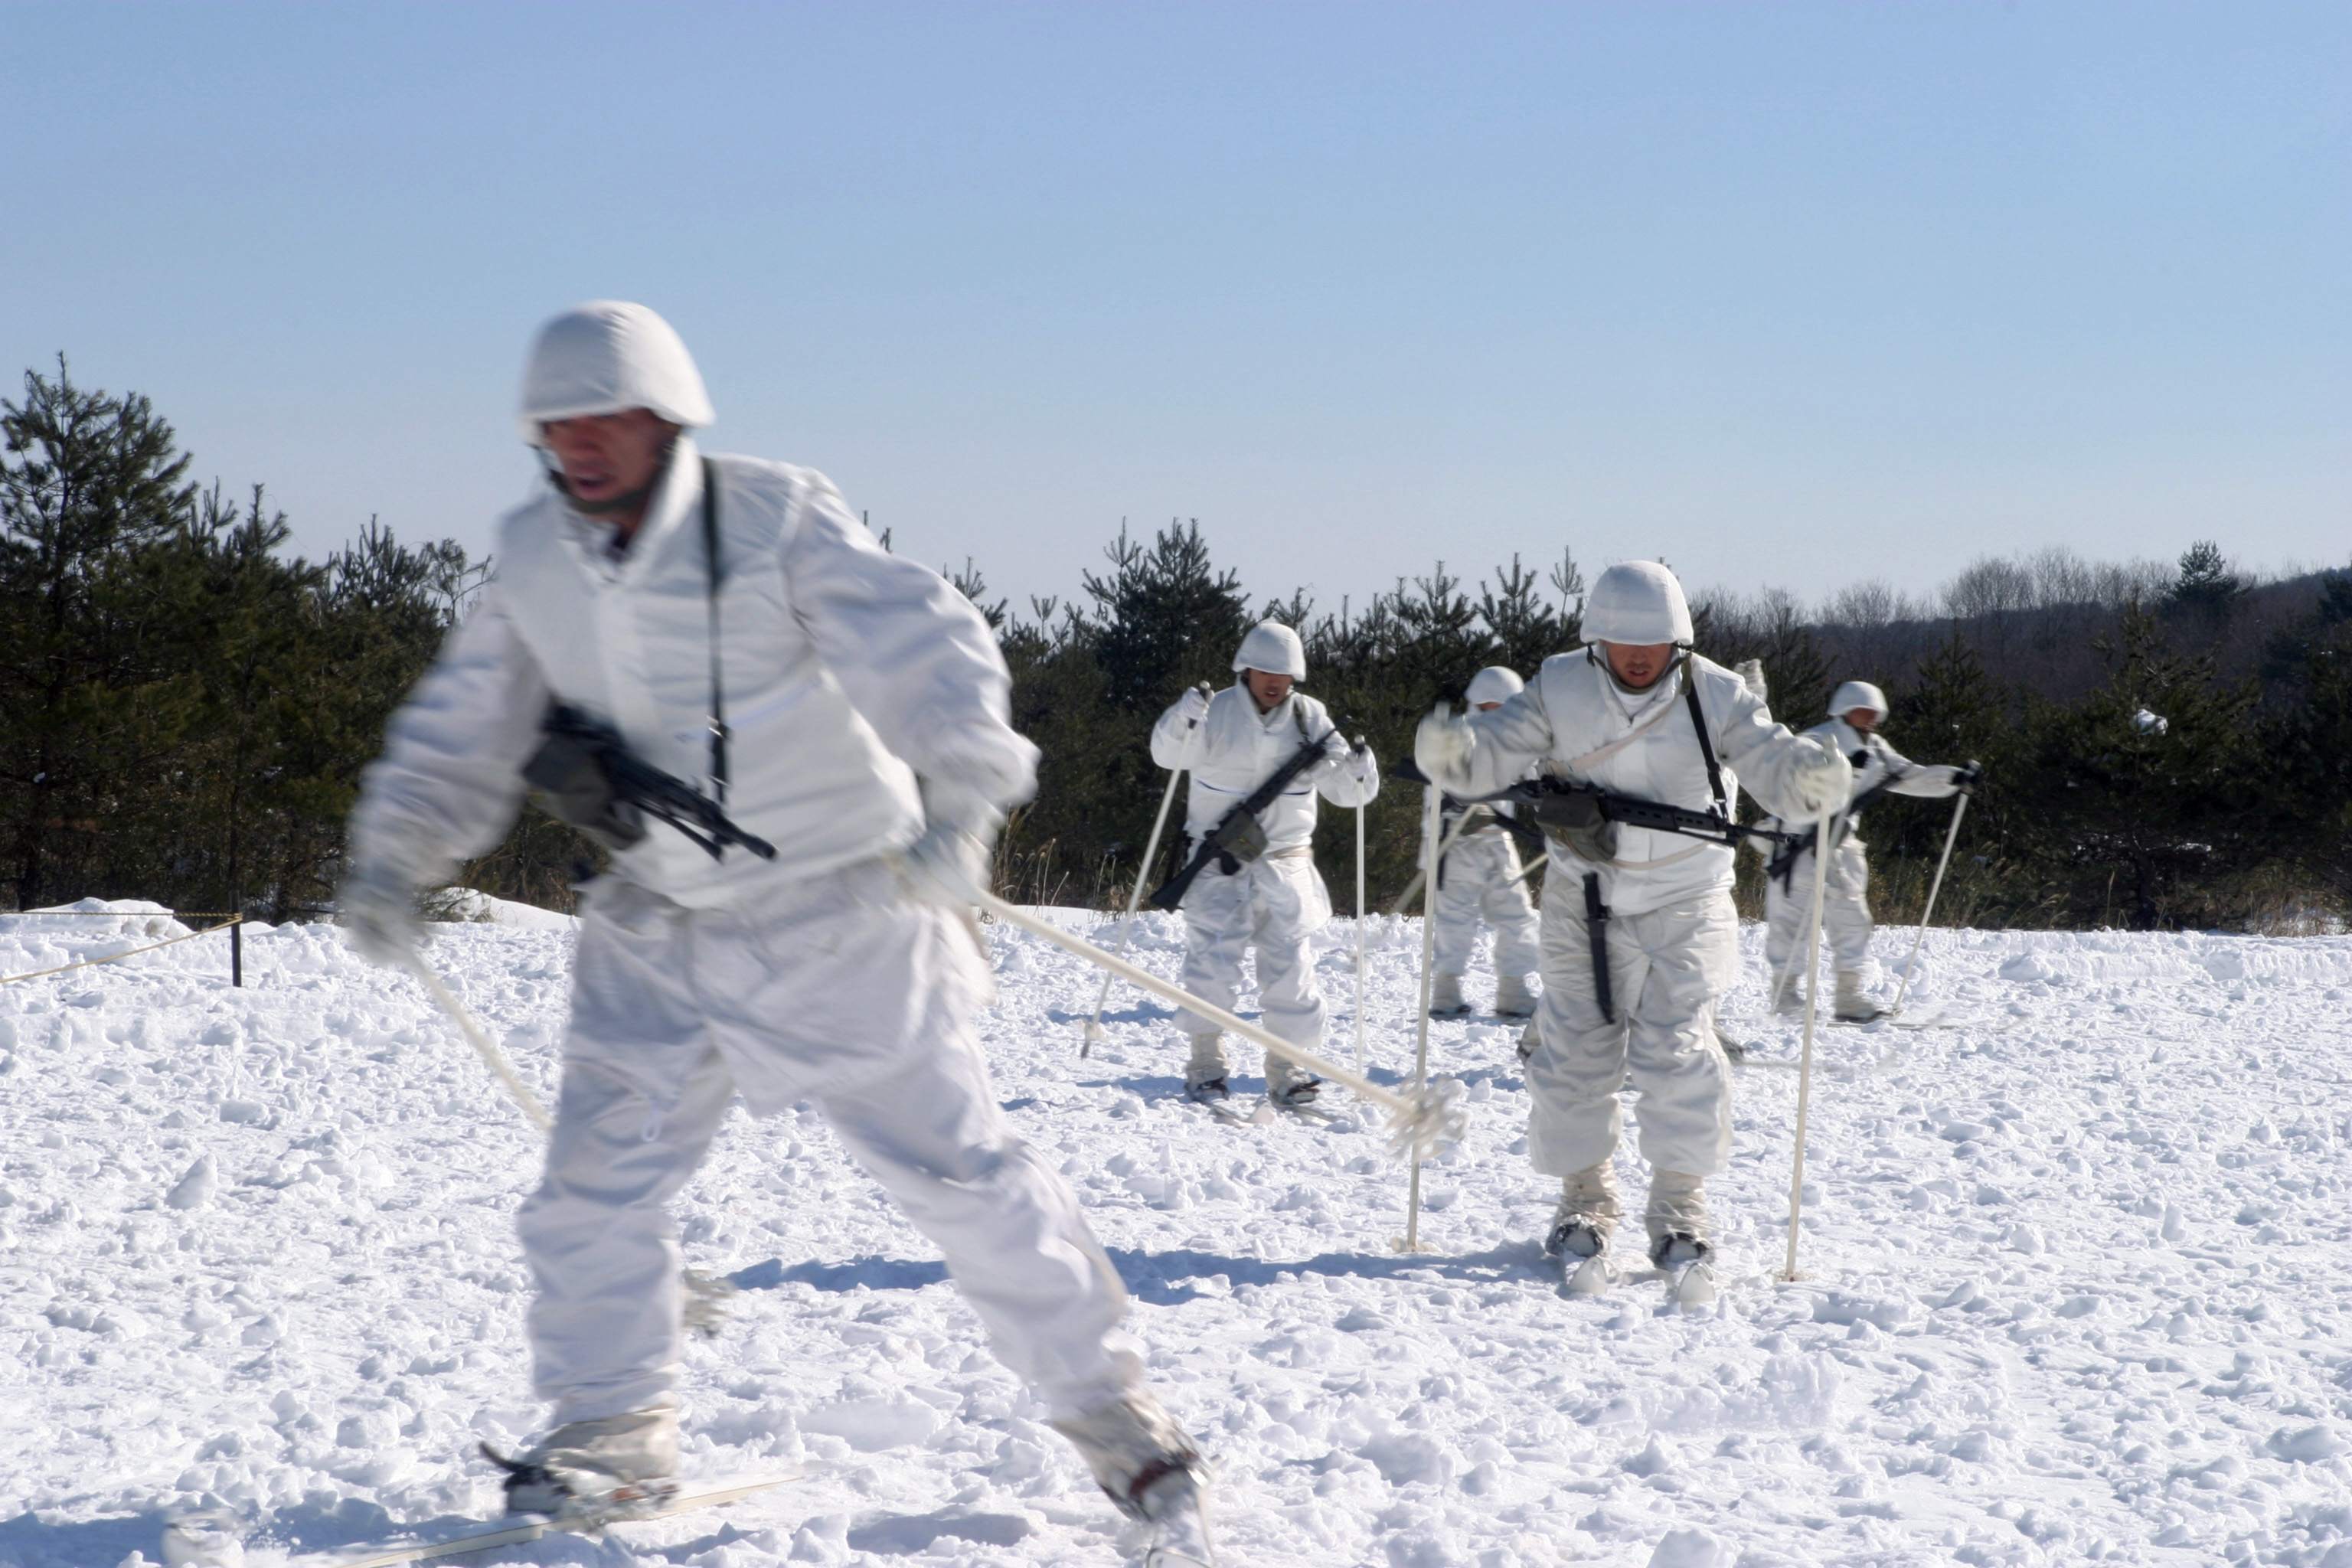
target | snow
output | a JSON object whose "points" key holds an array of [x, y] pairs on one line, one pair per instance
{"points": [[2075, 1288]]}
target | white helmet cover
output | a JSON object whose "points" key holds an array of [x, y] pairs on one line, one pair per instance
{"points": [[1496, 683], [1638, 603], [1274, 648], [605, 356], [1856, 694]]}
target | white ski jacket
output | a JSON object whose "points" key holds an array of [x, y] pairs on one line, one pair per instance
{"points": [[1237, 748], [847, 671], [1573, 709], [1875, 762]]}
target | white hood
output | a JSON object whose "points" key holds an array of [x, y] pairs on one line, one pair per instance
{"points": [[1637, 603], [605, 356]]}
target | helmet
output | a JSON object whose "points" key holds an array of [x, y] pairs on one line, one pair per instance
{"points": [[1856, 694], [1274, 648], [605, 356], [1637, 602], [1496, 683]]}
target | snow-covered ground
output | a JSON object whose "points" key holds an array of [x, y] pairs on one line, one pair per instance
{"points": [[2077, 1284]]}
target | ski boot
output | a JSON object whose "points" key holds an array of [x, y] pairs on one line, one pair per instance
{"points": [[1788, 994], [1288, 1086], [1854, 1005], [1679, 1245], [1513, 999], [587, 1474], [1153, 1473], [1445, 996], [1580, 1229], [1204, 1074]]}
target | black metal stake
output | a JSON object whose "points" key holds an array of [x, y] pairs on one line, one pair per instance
{"points": [[236, 953]]}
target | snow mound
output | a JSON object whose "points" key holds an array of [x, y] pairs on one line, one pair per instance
{"points": [[472, 906]]}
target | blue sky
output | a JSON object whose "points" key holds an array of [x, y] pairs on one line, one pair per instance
{"points": [[1788, 294]]}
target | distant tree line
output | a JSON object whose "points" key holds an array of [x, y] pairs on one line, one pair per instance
{"points": [[2164, 747], [186, 709]]}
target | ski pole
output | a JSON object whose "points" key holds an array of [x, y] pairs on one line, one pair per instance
{"points": [[1359, 937], [1094, 1029], [1424, 873], [1805, 1060], [1951, 835], [1429, 809], [499, 1066], [1419, 1121]]}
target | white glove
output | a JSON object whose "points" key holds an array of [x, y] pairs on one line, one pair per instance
{"points": [[1445, 744], [1193, 706], [378, 906], [948, 866], [1366, 766], [1819, 780]]}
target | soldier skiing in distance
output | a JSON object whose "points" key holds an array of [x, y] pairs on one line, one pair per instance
{"points": [[843, 712], [1480, 879], [1638, 935], [1253, 886], [1856, 710]]}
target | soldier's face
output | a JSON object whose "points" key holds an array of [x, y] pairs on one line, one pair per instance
{"points": [[1265, 690], [1638, 665], [1863, 720], [607, 456], [1489, 707]]}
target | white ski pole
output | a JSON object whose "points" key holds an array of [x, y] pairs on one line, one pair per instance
{"points": [[498, 1065], [1094, 1029], [1805, 1060], [1360, 939], [1430, 852], [1418, 1122], [1423, 877], [1951, 835]]}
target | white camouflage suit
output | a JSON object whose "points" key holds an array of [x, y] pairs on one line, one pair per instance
{"points": [[1672, 935], [1275, 903], [848, 673], [1845, 905], [1477, 881]]}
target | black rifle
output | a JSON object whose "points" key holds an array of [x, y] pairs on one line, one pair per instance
{"points": [[1565, 801], [1783, 863], [596, 784], [1451, 807], [1238, 836]]}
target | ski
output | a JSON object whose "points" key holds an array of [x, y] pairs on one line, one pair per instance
{"points": [[532, 1527], [1691, 1284], [1225, 1110], [1266, 1112]]}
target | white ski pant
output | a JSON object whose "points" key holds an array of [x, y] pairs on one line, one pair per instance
{"points": [[1273, 907], [840, 989], [1846, 911], [1666, 968], [1478, 880]]}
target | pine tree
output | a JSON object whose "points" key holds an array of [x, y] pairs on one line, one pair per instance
{"points": [[86, 481], [2206, 586], [2129, 814]]}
